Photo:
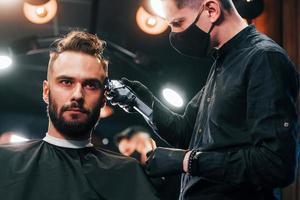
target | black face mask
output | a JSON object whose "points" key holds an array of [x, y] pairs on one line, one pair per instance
{"points": [[192, 42], [136, 155]]}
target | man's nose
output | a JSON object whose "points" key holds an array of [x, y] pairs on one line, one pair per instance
{"points": [[78, 92]]}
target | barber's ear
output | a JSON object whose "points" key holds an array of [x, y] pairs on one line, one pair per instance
{"points": [[214, 9], [46, 91]]}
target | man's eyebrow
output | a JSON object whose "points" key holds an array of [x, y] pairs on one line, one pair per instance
{"points": [[94, 80], [88, 80], [64, 77]]}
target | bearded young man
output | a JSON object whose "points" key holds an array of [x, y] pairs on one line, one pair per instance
{"points": [[65, 165], [237, 137]]}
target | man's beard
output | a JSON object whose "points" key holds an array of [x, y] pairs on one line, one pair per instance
{"points": [[73, 129]]}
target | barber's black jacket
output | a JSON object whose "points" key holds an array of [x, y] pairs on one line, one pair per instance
{"points": [[244, 121]]}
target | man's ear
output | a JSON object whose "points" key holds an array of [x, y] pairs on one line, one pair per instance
{"points": [[103, 102], [214, 9], [46, 91]]}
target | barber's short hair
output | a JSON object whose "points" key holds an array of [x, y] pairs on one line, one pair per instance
{"points": [[226, 4], [79, 41]]}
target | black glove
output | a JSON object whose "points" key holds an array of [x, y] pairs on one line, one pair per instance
{"points": [[140, 90], [126, 102], [165, 162]]}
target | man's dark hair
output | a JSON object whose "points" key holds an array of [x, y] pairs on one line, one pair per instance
{"points": [[79, 41], [226, 4]]}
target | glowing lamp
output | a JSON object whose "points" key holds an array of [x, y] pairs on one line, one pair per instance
{"points": [[172, 97], [150, 24], [5, 61], [17, 139], [11, 137], [40, 13], [154, 7], [157, 7]]}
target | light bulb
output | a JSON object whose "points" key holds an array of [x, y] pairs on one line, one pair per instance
{"points": [[40, 14], [150, 24], [5, 61], [172, 97]]}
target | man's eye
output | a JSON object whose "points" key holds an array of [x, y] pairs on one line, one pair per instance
{"points": [[66, 82], [91, 86]]}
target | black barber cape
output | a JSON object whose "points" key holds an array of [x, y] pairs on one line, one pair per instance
{"points": [[37, 170]]}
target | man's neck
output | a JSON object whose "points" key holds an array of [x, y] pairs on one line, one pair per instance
{"points": [[70, 144], [229, 28]]}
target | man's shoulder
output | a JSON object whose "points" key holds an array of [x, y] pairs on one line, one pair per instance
{"points": [[13, 148], [114, 156], [117, 163]]}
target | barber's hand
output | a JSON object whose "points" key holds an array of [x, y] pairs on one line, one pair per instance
{"points": [[165, 162], [140, 90], [121, 100]]}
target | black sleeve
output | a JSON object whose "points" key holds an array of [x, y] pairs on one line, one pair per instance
{"points": [[272, 117], [176, 129]]}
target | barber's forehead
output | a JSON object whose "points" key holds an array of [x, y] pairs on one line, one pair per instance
{"points": [[174, 14], [170, 8]]}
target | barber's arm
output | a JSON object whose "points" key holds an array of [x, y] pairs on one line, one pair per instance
{"points": [[272, 115], [175, 129]]}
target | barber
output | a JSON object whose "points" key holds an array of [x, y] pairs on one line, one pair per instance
{"points": [[237, 137]]}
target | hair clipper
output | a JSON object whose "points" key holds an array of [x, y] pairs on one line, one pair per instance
{"points": [[122, 95]]}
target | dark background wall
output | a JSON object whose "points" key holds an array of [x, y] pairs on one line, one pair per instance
{"points": [[281, 21]]}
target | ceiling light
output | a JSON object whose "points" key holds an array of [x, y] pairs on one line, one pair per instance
{"points": [[105, 141], [5, 61], [157, 8], [40, 13], [172, 97], [11, 137], [149, 23]]}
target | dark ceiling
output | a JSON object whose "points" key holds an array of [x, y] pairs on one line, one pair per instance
{"points": [[22, 108]]}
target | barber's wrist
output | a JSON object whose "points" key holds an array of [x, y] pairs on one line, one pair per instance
{"points": [[186, 161], [190, 162], [165, 162]]}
